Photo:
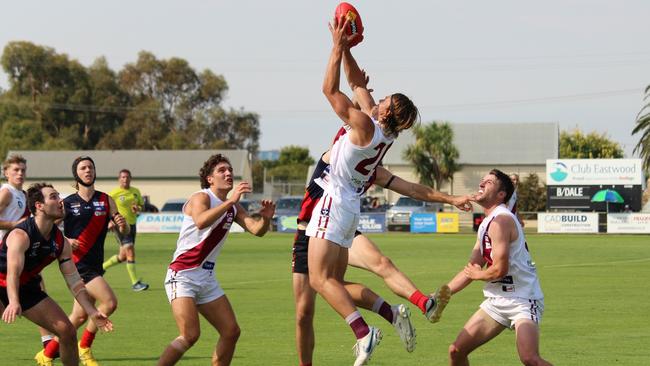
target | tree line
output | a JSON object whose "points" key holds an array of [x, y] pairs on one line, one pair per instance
{"points": [[55, 103]]}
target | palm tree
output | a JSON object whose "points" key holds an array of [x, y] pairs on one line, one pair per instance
{"points": [[643, 126], [433, 154]]}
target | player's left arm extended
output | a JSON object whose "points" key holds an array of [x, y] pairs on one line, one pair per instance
{"points": [[257, 224], [419, 191], [17, 243], [501, 232], [78, 289], [460, 281], [118, 219], [358, 81]]}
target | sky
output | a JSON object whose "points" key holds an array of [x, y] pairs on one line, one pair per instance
{"points": [[581, 63]]}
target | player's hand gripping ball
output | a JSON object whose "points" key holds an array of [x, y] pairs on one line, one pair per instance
{"points": [[355, 27]]}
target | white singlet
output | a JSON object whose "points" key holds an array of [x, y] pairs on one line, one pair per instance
{"points": [[352, 166], [521, 280], [16, 209], [199, 248]]}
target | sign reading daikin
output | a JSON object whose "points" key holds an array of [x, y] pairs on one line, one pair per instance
{"points": [[577, 172]]}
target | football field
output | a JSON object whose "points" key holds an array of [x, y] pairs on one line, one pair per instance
{"points": [[597, 299]]}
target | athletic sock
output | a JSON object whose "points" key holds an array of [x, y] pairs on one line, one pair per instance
{"points": [[46, 339], [358, 325], [130, 267], [418, 299], [382, 308], [305, 364], [110, 262], [52, 349], [87, 339]]}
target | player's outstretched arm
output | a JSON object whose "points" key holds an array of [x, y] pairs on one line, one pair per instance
{"points": [[78, 289], [17, 244], [359, 122], [199, 206], [259, 223], [461, 280], [419, 191], [358, 80]]}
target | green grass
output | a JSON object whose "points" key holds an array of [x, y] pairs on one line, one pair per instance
{"points": [[596, 288]]}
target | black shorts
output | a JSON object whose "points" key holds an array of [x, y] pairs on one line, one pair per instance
{"points": [[300, 250], [299, 261], [128, 239], [29, 294], [88, 274]]}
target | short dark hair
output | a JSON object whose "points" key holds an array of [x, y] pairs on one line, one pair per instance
{"points": [[505, 183], [125, 171], [35, 194], [208, 168], [13, 159]]}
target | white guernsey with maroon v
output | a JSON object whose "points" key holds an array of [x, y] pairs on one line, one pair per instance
{"points": [[191, 272]]}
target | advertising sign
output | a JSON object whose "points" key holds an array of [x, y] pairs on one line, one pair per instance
{"points": [[372, 222], [159, 222], [579, 198], [167, 223], [628, 223], [568, 172], [567, 222], [423, 223], [447, 222]]}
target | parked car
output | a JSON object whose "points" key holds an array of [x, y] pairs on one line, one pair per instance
{"points": [[173, 205], [398, 216], [286, 206], [252, 206]]}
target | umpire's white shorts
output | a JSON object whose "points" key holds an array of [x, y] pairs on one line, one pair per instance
{"points": [[197, 283], [508, 310], [331, 222]]}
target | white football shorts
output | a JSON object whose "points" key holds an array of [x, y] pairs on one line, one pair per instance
{"points": [[197, 283], [507, 310], [331, 222]]}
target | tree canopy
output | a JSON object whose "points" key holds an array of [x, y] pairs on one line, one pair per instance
{"points": [[577, 145], [433, 154], [54, 102]]}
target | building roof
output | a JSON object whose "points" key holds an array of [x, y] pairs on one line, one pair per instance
{"points": [[494, 143], [143, 164]]}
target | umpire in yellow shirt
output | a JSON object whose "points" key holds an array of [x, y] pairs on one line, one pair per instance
{"points": [[129, 202]]}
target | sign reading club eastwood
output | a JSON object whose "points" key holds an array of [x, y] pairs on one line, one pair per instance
{"points": [[579, 172], [571, 183], [567, 222]]}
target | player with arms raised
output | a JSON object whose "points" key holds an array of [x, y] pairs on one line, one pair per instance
{"points": [[354, 157]]}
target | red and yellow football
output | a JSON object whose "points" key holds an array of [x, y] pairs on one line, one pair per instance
{"points": [[350, 13]]}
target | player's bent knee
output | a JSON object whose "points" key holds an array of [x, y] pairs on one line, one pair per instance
{"points": [[385, 265], [181, 344], [454, 352], [111, 306], [65, 330], [232, 333]]}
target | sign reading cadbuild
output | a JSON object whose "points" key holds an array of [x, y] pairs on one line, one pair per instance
{"points": [[168, 223], [372, 222], [628, 223], [577, 172], [423, 223], [567, 222]]}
